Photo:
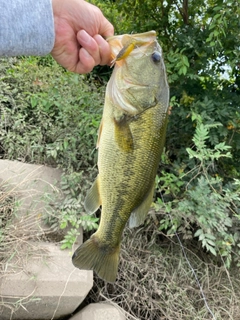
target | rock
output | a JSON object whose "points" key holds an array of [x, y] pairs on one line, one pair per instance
{"points": [[100, 311], [47, 287], [31, 185]]}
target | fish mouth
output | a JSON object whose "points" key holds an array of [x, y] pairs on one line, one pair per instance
{"points": [[120, 85], [122, 45]]}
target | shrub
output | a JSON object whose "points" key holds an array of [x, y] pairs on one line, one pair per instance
{"points": [[48, 115], [198, 202]]}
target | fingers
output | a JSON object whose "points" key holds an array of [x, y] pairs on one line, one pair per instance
{"points": [[104, 50], [86, 62], [94, 50], [89, 44]]}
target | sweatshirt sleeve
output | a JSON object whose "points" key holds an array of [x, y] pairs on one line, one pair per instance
{"points": [[26, 27]]}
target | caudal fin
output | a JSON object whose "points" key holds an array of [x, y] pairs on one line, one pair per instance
{"points": [[101, 258]]}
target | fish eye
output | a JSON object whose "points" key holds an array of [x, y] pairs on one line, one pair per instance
{"points": [[156, 57]]}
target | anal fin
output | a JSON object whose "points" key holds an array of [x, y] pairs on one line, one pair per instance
{"points": [[139, 214]]}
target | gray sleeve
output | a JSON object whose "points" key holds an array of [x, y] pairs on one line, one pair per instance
{"points": [[26, 27]]}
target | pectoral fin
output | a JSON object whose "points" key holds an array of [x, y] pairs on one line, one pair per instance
{"points": [[123, 135], [139, 214], [92, 201]]}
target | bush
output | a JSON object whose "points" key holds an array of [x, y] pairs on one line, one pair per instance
{"points": [[198, 202], [48, 115]]}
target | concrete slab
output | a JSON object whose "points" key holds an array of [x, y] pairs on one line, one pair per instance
{"points": [[30, 184], [47, 287], [36, 189], [100, 311]]}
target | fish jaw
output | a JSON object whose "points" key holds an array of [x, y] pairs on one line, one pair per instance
{"points": [[137, 81], [122, 45]]}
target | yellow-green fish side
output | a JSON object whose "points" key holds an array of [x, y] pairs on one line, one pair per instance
{"points": [[130, 146], [127, 177]]}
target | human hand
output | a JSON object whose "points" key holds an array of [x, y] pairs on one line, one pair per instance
{"points": [[79, 31]]}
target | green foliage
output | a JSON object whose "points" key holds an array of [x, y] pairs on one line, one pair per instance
{"points": [[69, 214], [201, 43], [70, 211], [204, 154], [48, 115], [201, 205]]}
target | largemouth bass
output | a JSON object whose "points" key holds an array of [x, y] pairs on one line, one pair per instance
{"points": [[131, 139]]}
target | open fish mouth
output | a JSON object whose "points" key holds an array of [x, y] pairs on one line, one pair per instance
{"points": [[123, 45], [126, 51]]}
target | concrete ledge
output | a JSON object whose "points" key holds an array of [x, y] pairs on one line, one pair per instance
{"points": [[47, 287], [29, 184], [100, 311]]}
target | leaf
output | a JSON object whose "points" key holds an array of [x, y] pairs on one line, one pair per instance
{"points": [[212, 250], [185, 60], [198, 232], [63, 225], [64, 246]]}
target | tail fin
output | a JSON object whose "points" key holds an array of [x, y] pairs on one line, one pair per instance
{"points": [[92, 255]]}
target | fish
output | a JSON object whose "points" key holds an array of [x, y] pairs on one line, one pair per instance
{"points": [[131, 138]]}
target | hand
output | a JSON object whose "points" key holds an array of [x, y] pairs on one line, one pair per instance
{"points": [[79, 31]]}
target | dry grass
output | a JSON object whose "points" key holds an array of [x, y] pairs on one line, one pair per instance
{"points": [[20, 228], [20, 233], [155, 281]]}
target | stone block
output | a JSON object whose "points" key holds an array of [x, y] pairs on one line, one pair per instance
{"points": [[47, 287], [34, 187], [100, 311]]}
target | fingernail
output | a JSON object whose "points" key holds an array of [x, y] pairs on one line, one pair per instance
{"points": [[85, 37], [98, 38]]}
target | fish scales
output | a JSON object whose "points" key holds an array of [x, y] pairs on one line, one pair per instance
{"points": [[140, 165], [131, 140]]}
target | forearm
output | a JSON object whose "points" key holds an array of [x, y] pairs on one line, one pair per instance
{"points": [[26, 27]]}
